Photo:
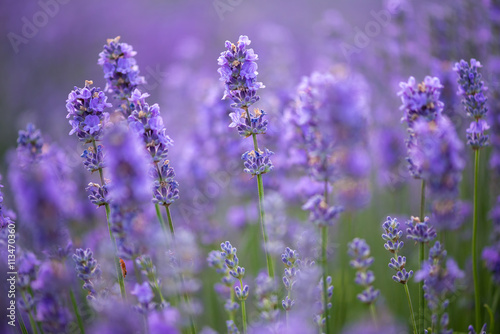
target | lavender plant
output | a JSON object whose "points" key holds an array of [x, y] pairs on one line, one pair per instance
{"points": [[440, 276], [392, 235], [239, 73], [359, 251], [472, 89]]}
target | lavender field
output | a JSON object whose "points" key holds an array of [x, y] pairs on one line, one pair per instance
{"points": [[236, 166]]}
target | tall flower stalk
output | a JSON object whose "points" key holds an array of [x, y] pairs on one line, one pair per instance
{"points": [[238, 71], [392, 235], [472, 90], [88, 119]]}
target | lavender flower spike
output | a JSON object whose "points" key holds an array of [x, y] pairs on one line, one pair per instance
{"points": [[359, 251], [86, 109], [473, 91], [88, 270], [238, 71], [421, 100], [120, 69], [420, 231]]}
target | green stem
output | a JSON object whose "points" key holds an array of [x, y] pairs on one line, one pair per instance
{"points": [[243, 311], [113, 241], [374, 314], [474, 243], [411, 309], [30, 316], [21, 323], [161, 220], [170, 223], [75, 309], [324, 240], [231, 313], [494, 307], [421, 300], [269, 260]]}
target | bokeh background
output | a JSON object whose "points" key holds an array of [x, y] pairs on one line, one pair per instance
{"points": [[178, 43]]}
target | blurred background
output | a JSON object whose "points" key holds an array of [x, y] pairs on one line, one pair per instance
{"points": [[50, 46]]}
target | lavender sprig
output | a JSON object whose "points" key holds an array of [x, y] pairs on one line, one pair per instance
{"points": [[88, 270], [473, 91], [86, 108], [359, 251], [120, 71], [392, 235], [440, 276], [238, 71]]}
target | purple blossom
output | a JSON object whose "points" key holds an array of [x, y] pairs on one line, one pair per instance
{"points": [[359, 251], [238, 71], [29, 143], [128, 168], [472, 90], [420, 100], [257, 162], [143, 293], [86, 109], [120, 69], [440, 276], [320, 214], [248, 123], [88, 270], [93, 160], [420, 231]]}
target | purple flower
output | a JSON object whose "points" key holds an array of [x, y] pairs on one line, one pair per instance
{"points": [[248, 123], [257, 162], [392, 234], [440, 276], [93, 160], [128, 168], [88, 270], [30, 143], [421, 100], [359, 251], [420, 231], [238, 71], [86, 109], [472, 89], [143, 293], [120, 69], [320, 214]]}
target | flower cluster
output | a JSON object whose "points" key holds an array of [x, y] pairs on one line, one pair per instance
{"points": [[421, 100], [231, 261], [29, 143], [146, 121], [267, 300], [472, 89], [328, 108], [127, 167], [248, 123], [393, 244], [437, 153], [359, 251], [238, 71], [216, 260], [440, 276], [420, 231], [257, 162], [88, 270], [320, 317], [320, 214], [86, 109], [145, 296], [120, 68], [419, 103], [290, 259]]}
